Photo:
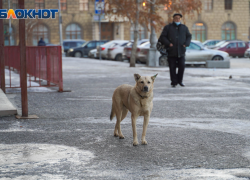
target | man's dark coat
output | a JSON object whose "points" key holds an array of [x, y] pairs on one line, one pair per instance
{"points": [[178, 36]]}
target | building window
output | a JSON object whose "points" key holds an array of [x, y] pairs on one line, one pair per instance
{"points": [[63, 5], [208, 5], [199, 32], [9, 38], [73, 31], [40, 31], [141, 32], [228, 31], [83, 5], [39, 4], [15, 4], [228, 4]]}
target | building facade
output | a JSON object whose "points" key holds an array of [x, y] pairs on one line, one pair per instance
{"points": [[219, 19], [79, 21]]}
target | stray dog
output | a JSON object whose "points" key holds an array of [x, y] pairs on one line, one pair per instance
{"points": [[138, 100]]}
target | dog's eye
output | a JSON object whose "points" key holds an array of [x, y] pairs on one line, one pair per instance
{"points": [[142, 82], [148, 82]]}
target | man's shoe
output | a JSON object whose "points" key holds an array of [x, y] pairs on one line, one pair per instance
{"points": [[173, 86], [181, 84]]}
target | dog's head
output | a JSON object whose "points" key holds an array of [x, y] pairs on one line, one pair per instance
{"points": [[144, 83]]}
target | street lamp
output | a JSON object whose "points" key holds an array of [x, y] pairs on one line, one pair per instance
{"points": [[153, 56]]}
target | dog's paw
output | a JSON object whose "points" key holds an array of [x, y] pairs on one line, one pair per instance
{"points": [[116, 135], [144, 142], [135, 143], [121, 137]]}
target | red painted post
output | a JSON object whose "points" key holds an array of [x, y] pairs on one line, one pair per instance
{"points": [[60, 69], [48, 63], [2, 64], [23, 73]]}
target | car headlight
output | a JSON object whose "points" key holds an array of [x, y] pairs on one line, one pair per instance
{"points": [[71, 50]]}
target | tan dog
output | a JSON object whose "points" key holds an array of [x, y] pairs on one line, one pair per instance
{"points": [[138, 100]]}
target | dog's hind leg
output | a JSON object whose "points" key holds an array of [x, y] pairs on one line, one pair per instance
{"points": [[118, 124], [124, 112], [123, 115]]}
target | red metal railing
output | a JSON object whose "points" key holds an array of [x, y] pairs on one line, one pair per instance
{"points": [[44, 63]]}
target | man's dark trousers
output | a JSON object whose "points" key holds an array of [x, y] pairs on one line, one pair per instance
{"points": [[173, 62]]}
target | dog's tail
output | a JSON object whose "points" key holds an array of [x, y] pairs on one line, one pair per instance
{"points": [[112, 114]]}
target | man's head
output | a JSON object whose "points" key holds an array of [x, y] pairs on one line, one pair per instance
{"points": [[41, 38], [177, 17]]}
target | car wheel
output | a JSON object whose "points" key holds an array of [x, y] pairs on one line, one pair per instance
{"points": [[163, 61], [217, 58], [78, 54], [118, 57]]}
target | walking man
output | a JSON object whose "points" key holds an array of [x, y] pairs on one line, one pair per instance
{"points": [[176, 37], [41, 42]]}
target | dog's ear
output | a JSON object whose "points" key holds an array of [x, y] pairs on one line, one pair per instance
{"points": [[153, 77], [137, 77]]}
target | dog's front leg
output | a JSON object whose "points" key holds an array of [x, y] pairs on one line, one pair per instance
{"points": [[145, 125], [135, 140]]}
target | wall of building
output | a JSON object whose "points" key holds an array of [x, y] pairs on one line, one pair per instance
{"points": [[214, 19]]}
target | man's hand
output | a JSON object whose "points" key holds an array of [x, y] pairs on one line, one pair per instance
{"points": [[184, 45], [170, 44]]}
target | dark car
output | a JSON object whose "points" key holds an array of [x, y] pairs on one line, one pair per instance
{"points": [[84, 49], [69, 43], [234, 48]]}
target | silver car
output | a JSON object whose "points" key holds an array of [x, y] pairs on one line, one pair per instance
{"points": [[92, 53], [247, 53], [196, 53]]}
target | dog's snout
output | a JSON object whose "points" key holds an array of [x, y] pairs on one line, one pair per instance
{"points": [[145, 88]]}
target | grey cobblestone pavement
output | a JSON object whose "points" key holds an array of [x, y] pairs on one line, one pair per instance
{"points": [[200, 131]]}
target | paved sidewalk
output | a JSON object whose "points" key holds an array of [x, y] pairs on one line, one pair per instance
{"points": [[197, 132], [6, 108]]}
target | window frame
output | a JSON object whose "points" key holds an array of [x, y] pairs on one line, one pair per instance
{"points": [[83, 5], [63, 4], [73, 32], [202, 32], [39, 4], [208, 5], [45, 34], [228, 4], [228, 31]]}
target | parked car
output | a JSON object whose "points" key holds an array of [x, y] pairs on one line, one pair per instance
{"points": [[210, 43], [83, 50], [234, 48], [115, 51], [142, 52], [50, 44], [104, 48], [196, 53], [247, 53], [70, 43], [127, 50], [92, 53]]}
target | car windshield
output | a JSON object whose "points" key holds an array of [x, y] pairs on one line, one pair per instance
{"points": [[85, 43], [219, 44], [200, 44], [146, 44], [130, 44], [224, 44]]}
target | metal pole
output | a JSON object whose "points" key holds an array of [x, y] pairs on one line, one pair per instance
{"points": [[2, 65], [23, 73], [60, 24], [10, 30], [100, 57], [153, 57]]}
